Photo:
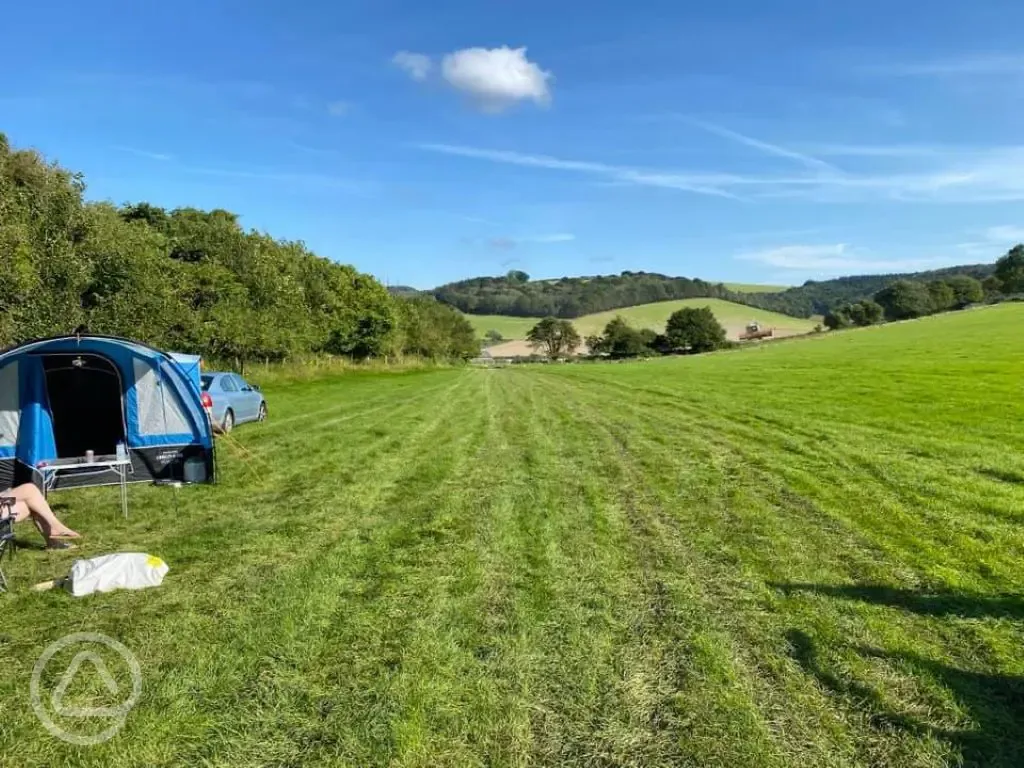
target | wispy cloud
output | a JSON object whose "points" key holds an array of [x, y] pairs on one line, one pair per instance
{"points": [[416, 65], [160, 156], [286, 178], [834, 259], [773, 234], [502, 243], [882, 150], [558, 237], [992, 242], [508, 242], [947, 176], [339, 108], [764, 146], [971, 64], [1005, 233], [699, 184]]}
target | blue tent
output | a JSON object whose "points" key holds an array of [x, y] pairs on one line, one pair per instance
{"points": [[192, 365], [63, 397]]}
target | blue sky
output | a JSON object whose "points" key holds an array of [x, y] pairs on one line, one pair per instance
{"points": [[426, 142]]}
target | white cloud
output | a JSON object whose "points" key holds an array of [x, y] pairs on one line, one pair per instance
{"points": [[338, 108], [496, 78], [834, 259], [416, 65]]}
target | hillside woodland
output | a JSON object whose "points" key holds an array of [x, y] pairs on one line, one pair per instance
{"points": [[516, 295], [191, 280], [569, 297]]}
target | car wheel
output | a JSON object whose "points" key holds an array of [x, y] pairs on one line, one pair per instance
{"points": [[229, 421], [263, 412]]}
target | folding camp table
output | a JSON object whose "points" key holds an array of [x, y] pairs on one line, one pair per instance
{"points": [[121, 467]]}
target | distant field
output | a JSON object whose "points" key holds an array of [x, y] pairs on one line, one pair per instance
{"points": [[508, 327], [733, 317], [802, 554], [755, 288]]}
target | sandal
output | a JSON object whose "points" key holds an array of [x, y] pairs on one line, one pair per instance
{"points": [[55, 544]]}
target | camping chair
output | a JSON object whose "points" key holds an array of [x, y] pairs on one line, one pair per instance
{"points": [[6, 535]]}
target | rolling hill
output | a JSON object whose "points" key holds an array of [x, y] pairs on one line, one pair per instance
{"points": [[755, 288], [516, 295]]}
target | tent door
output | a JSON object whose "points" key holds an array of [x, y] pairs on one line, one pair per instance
{"points": [[84, 393]]}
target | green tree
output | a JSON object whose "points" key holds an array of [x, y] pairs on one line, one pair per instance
{"points": [[649, 339], [517, 276], [942, 296], [557, 338], [1010, 270], [191, 280], [871, 312], [991, 286], [494, 337], [838, 318], [428, 328], [904, 299], [966, 290], [694, 329], [596, 345], [621, 340]]}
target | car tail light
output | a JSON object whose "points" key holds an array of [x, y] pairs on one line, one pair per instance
{"points": [[207, 401]]}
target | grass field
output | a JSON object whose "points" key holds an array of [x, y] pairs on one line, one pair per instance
{"points": [[733, 317], [755, 288], [801, 554]]}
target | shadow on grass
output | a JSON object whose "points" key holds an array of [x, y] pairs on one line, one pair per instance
{"points": [[926, 603], [1002, 475], [995, 702]]}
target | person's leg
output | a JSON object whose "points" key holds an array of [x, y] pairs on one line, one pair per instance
{"points": [[29, 501]]}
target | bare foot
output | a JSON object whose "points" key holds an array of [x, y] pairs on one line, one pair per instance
{"points": [[65, 533]]}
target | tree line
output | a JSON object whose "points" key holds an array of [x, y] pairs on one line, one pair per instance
{"points": [[515, 294], [568, 297], [191, 280], [907, 299], [821, 297], [690, 330]]}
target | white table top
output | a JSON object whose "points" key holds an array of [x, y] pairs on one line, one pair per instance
{"points": [[74, 462]]}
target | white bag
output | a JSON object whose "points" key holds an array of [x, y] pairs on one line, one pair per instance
{"points": [[128, 570]]}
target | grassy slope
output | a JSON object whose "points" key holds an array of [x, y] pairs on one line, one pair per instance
{"points": [[807, 553], [755, 288], [731, 315]]}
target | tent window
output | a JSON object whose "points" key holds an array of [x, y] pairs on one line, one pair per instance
{"points": [[10, 405], [158, 407]]}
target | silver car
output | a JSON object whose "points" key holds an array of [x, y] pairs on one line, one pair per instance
{"points": [[230, 400]]}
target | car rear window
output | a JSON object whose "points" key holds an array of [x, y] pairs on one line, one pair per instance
{"points": [[206, 382]]}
